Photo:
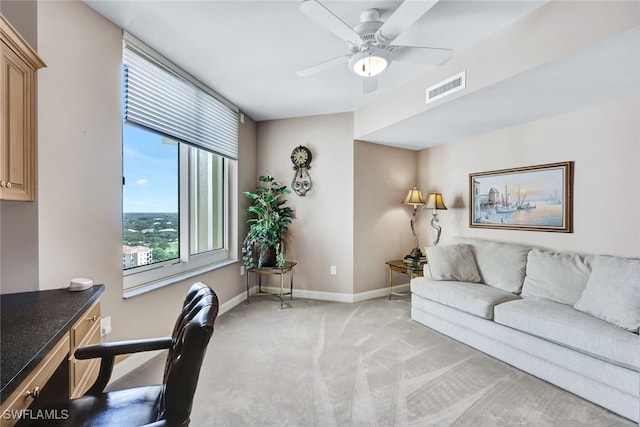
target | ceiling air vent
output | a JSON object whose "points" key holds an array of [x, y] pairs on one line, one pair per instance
{"points": [[446, 87]]}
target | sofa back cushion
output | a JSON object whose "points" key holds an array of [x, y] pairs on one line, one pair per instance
{"points": [[453, 262], [613, 292], [501, 265], [556, 276]]}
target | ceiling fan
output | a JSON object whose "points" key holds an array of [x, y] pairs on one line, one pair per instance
{"points": [[370, 43]]}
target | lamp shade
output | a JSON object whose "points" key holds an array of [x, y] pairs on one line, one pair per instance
{"points": [[414, 197], [434, 201]]}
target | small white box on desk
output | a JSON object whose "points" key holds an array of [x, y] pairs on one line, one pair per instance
{"points": [[80, 284]]}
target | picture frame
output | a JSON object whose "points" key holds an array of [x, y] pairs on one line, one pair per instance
{"points": [[534, 198]]}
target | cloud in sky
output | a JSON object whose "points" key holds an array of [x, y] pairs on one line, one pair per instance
{"points": [[152, 169]]}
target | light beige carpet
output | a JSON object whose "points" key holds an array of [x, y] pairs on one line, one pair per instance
{"points": [[364, 364]]}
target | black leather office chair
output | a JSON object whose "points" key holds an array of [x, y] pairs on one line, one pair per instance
{"points": [[168, 404]]}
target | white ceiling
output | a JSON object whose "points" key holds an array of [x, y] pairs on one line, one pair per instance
{"points": [[604, 71], [249, 52]]}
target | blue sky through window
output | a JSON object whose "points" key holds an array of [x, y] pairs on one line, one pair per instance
{"points": [[151, 171]]}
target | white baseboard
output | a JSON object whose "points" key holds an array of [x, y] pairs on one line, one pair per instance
{"points": [[378, 293], [339, 297], [136, 360], [238, 299]]}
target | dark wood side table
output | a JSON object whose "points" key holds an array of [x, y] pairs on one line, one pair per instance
{"points": [[282, 271], [399, 266]]}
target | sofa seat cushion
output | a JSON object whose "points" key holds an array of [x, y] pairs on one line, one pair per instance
{"points": [[473, 298], [562, 324]]}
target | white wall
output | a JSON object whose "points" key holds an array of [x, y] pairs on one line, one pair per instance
{"points": [[19, 220], [353, 217], [18, 247], [23, 16], [383, 177], [604, 143], [322, 235], [80, 171], [79, 151], [602, 140]]}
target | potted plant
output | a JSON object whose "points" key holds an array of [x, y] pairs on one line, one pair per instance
{"points": [[265, 242]]}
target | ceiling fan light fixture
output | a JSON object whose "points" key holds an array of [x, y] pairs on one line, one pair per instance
{"points": [[370, 62]]}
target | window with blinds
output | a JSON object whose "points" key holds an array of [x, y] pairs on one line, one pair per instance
{"points": [[180, 146], [174, 104]]}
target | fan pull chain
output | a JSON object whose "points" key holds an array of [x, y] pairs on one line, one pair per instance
{"points": [[364, 67]]}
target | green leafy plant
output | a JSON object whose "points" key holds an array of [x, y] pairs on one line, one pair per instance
{"points": [[269, 226]]}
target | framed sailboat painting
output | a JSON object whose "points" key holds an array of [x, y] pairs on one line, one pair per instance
{"points": [[536, 198]]}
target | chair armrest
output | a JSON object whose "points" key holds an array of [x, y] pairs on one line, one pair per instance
{"points": [[107, 353], [122, 347]]}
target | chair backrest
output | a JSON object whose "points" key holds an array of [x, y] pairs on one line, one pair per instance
{"points": [[191, 335]]}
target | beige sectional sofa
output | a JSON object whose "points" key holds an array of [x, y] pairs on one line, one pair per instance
{"points": [[569, 319]]}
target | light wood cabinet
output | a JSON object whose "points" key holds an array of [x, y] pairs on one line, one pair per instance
{"points": [[79, 375], [30, 389], [18, 65], [86, 331]]}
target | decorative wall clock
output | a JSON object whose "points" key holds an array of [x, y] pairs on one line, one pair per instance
{"points": [[301, 158]]}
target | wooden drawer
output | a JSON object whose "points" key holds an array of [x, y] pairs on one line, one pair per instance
{"points": [[19, 400], [86, 373], [82, 372], [82, 328], [86, 331]]}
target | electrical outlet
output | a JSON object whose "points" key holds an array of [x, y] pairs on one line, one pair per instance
{"points": [[242, 270], [105, 326], [333, 270]]}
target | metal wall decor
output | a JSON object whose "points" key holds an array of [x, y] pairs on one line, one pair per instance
{"points": [[536, 198], [301, 159]]}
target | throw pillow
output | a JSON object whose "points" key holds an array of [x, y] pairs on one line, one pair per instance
{"points": [[454, 262], [555, 276], [612, 293], [500, 264]]}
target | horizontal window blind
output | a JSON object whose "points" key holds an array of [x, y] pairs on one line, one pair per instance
{"points": [[161, 100]]}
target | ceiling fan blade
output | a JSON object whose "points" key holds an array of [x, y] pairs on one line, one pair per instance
{"points": [[420, 55], [327, 19], [323, 65], [404, 16], [369, 84]]}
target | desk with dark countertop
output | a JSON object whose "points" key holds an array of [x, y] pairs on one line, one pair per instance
{"points": [[31, 323]]}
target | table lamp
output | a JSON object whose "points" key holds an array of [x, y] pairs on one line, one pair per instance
{"points": [[414, 197], [434, 201]]}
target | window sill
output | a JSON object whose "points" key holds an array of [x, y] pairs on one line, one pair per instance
{"points": [[157, 284]]}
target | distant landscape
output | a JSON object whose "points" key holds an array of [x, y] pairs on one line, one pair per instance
{"points": [[156, 231]]}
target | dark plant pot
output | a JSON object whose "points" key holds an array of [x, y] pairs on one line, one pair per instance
{"points": [[269, 258]]}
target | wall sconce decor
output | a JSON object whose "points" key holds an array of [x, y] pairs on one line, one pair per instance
{"points": [[414, 197], [434, 201]]}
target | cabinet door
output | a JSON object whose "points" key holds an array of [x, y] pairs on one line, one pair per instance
{"points": [[37, 379], [17, 155], [86, 331]]}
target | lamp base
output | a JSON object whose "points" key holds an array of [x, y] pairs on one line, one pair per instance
{"points": [[437, 227], [415, 255]]}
